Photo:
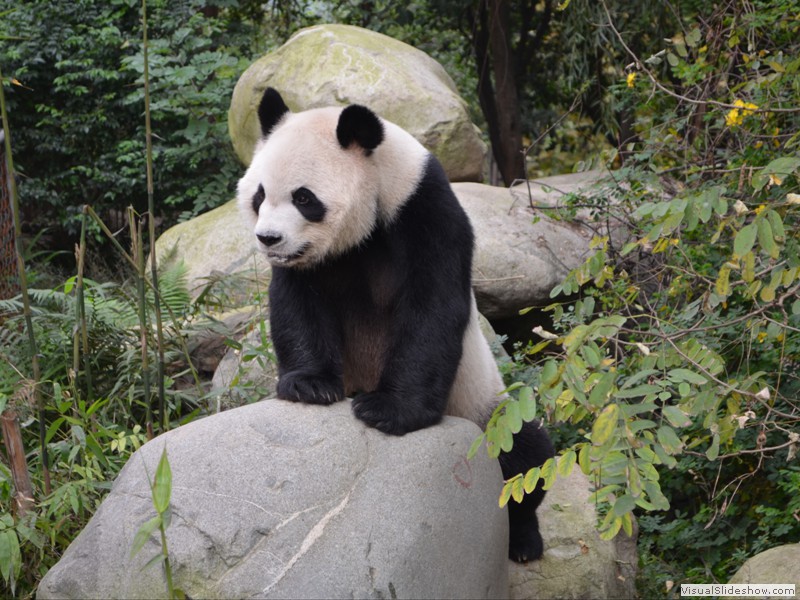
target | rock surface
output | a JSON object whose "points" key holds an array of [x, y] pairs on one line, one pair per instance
{"points": [[300, 501], [216, 242], [520, 254], [776, 565], [329, 65], [246, 374], [576, 562]]}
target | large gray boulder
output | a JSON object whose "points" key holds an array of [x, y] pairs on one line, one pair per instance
{"points": [[277, 500], [521, 252], [329, 65]]}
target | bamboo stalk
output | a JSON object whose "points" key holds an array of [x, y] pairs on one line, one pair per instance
{"points": [[137, 250], [151, 227], [83, 329]]}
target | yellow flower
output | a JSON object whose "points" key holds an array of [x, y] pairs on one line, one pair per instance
{"points": [[735, 116], [746, 105], [630, 79], [760, 209]]}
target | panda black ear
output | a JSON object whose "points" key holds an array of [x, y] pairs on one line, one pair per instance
{"points": [[271, 110], [360, 125]]}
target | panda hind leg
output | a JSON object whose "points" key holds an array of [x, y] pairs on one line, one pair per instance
{"points": [[532, 447]]}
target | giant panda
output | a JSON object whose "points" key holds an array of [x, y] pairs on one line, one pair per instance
{"points": [[371, 296]]}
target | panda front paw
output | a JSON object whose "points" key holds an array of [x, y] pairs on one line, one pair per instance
{"points": [[525, 543], [298, 386], [390, 415], [379, 410]]}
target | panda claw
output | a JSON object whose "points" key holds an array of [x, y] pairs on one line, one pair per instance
{"points": [[309, 389]]}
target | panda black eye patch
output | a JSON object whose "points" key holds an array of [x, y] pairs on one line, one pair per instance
{"points": [[258, 198], [308, 205]]}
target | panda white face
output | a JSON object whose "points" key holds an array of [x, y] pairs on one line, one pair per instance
{"points": [[307, 196]]}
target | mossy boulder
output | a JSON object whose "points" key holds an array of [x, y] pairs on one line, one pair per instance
{"points": [[215, 244], [329, 65]]}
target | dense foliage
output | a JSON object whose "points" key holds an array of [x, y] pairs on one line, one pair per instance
{"points": [[669, 373], [677, 369], [76, 106]]}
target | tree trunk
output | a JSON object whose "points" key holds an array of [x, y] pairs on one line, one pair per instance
{"points": [[12, 438], [499, 99]]}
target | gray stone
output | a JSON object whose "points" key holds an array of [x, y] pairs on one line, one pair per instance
{"points": [[576, 562], [329, 65], [776, 565], [521, 254], [215, 243], [245, 375], [276, 500]]}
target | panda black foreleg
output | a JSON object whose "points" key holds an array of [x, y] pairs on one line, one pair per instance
{"points": [[420, 368], [532, 447], [306, 342]]}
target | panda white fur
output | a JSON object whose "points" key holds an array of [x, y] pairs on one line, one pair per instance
{"points": [[371, 294]]}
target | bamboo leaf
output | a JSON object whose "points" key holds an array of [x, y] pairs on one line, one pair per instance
{"points": [[144, 533], [162, 486]]}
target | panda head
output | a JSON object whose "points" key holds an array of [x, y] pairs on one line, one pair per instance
{"points": [[311, 191]]}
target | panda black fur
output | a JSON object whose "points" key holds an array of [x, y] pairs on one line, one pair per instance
{"points": [[371, 294]]}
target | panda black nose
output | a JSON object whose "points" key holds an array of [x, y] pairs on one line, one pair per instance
{"points": [[269, 239]]}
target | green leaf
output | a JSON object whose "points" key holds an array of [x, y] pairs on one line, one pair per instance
{"points": [[517, 490], [602, 389], [678, 375], [513, 418], [531, 479], [766, 238], [775, 221], [549, 473], [638, 391], [527, 404], [624, 504], [744, 240], [713, 451], [162, 486], [144, 533], [612, 530], [584, 458], [566, 462], [669, 440], [605, 425], [676, 416], [505, 494], [473, 449]]}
